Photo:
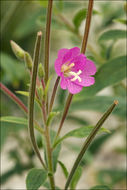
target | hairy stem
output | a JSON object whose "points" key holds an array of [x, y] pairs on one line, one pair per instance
{"points": [[53, 94], [32, 96], [88, 141], [47, 39], [83, 49], [87, 27], [49, 157], [47, 44]]}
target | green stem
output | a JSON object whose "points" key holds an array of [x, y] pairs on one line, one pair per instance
{"points": [[88, 141], [47, 44], [32, 96], [54, 93], [83, 49], [49, 157]]}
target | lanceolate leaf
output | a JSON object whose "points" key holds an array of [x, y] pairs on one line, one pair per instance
{"points": [[64, 169], [76, 177], [24, 93], [11, 119], [100, 187], [108, 74], [113, 35], [80, 133], [80, 16], [35, 178]]}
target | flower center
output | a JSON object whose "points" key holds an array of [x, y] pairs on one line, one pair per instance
{"points": [[66, 69]]}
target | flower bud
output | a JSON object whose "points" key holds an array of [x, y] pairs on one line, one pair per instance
{"points": [[28, 61], [40, 92], [40, 71], [18, 51]]}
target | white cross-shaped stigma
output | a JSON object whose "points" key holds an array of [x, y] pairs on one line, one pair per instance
{"points": [[76, 75]]}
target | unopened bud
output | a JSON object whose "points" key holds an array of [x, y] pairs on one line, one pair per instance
{"points": [[40, 92], [28, 61], [18, 51], [40, 71]]}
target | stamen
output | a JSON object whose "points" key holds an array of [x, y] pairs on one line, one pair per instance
{"points": [[76, 75], [65, 67]]}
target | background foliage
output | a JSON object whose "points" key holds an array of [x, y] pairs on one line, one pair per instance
{"points": [[106, 47]]}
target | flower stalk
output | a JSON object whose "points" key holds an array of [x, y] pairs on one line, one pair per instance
{"points": [[83, 49], [53, 94], [32, 96], [88, 141]]}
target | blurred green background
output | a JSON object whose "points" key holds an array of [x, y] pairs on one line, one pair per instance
{"points": [[20, 21]]}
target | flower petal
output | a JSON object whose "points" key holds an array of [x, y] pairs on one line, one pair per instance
{"points": [[73, 88], [58, 64], [80, 62], [90, 68], [71, 54], [63, 83], [86, 81], [62, 52]]}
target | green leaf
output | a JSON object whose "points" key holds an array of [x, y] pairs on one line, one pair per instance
{"points": [[80, 16], [12, 119], [122, 21], [47, 86], [111, 176], [100, 103], [113, 35], [50, 117], [64, 169], [108, 74], [24, 93], [76, 177], [35, 178], [100, 187], [80, 133]]}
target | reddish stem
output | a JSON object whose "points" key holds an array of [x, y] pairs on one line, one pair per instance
{"points": [[43, 84], [83, 49], [13, 97], [54, 93]]}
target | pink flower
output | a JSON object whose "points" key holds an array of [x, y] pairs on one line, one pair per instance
{"points": [[74, 69]]}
